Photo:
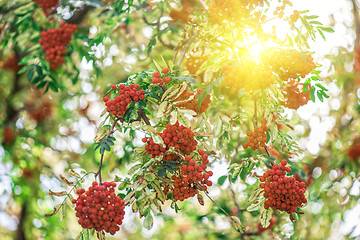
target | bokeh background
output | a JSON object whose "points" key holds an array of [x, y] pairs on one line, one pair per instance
{"points": [[44, 135]]}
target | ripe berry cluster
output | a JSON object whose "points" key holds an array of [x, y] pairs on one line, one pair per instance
{"points": [[282, 193], [54, 41], [193, 177], [294, 94], [44, 4], [157, 77], [258, 137], [100, 208], [291, 63], [119, 104], [193, 63], [231, 10], [188, 102], [177, 136], [184, 15]]}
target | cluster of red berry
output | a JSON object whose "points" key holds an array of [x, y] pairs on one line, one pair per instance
{"points": [[44, 4], [54, 41], [188, 102], [193, 177], [100, 208], [184, 15], [193, 63], [119, 104], [258, 137], [282, 193], [294, 95], [157, 77], [177, 136], [291, 63]]}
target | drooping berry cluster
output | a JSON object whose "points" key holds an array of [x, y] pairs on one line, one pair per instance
{"points": [[289, 64], [126, 94], [54, 41], [193, 177], [45, 4], [294, 94], [177, 136], [282, 193], [188, 100], [258, 137], [158, 79], [231, 10], [100, 208], [193, 63], [183, 15]]}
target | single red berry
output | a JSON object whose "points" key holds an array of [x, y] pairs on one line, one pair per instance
{"points": [[114, 87], [105, 99], [165, 70], [156, 75]]}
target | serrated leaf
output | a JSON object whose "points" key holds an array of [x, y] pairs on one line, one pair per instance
{"points": [[74, 174], [56, 210], [236, 223], [173, 117], [161, 172], [150, 177], [30, 74], [256, 205], [266, 216], [134, 168], [167, 92], [148, 222], [312, 94], [161, 109], [255, 194], [67, 182], [158, 190], [58, 194], [200, 199]]}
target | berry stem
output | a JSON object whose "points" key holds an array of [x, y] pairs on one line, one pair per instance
{"points": [[272, 162], [112, 130]]}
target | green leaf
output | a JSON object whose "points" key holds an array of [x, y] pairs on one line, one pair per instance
{"points": [[222, 179], [161, 172], [148, 222], [306, 84], [150, 177], [320, 96], [312, 94], [266, 216], [326, 29], [30, 74], [236, 223]]}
